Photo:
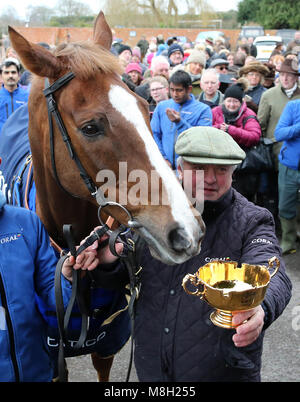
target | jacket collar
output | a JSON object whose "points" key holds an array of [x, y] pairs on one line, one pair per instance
{"points": [[212, 209], [3, 87]]}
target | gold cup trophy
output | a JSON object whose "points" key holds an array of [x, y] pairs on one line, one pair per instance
{"points": [[229, 288]]}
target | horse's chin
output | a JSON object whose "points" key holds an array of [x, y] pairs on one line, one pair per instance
{"points": [[163, 253], [171, 258]]}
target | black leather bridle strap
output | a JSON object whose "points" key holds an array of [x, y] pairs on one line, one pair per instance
{"points": [[53, 111]]}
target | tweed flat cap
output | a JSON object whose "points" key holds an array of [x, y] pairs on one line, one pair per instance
{"points": [[208, 145]]}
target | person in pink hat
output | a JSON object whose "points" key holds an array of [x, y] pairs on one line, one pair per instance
{"points": [[135, 73]]}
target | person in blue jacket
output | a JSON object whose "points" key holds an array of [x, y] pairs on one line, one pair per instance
{"points": [[12, 95], [288, 131], [27, 266], [173, 116]]}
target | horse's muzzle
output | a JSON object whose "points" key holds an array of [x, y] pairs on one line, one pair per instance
{"points": [[180, 241]]}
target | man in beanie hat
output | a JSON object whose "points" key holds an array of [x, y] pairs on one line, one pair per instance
{"points": [[175, 340], [271, 106], [194, 66], [175, 54], [125, 54], [254, 72]]}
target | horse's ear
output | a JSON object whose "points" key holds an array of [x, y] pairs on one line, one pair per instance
{"points": [[34, 57], [102, 32]]}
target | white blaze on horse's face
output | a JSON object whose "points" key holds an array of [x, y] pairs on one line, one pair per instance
{"points": [[126, 104]]}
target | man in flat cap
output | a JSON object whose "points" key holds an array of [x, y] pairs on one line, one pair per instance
{"points": [[175, 340]]}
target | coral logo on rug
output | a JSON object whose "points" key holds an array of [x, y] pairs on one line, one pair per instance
{"points": [[9, 239]]}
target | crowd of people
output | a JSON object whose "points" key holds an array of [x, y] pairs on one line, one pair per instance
{"points": [[208, 105], [246, 98]]}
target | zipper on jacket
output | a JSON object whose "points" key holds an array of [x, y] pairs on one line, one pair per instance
{"points": [[12, 102], [10, 332], [6, 108], [174, 141]]}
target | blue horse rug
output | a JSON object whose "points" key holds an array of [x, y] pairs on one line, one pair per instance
{"points": [[110, 328]]}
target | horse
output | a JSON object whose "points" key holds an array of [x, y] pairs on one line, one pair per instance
{"points": [[100, 125]]}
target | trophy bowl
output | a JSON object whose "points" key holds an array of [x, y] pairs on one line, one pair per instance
{"points": [[229, 288]]}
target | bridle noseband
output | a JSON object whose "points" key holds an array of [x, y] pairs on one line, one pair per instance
{"points": [[53, 111]]}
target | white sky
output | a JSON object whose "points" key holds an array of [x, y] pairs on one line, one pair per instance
{"points": [[95, 5]]}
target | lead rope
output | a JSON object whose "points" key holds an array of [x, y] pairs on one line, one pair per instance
{"points": [[128, 258]]}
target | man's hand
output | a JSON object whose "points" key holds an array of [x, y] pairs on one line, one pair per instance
{"points": [[91, 257], [173, 115], [87, 260], [248, 332]]}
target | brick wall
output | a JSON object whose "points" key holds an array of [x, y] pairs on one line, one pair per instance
{"points": [[54, 36]]}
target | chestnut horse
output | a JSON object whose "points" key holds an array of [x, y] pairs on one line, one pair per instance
{"points": [[106, 124]]}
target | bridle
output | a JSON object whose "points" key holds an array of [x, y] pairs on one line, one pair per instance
{"points": [[118, 235], [92, 188]]}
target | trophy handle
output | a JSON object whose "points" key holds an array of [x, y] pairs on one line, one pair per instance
{"points": [[274, 261], [194, 281]]}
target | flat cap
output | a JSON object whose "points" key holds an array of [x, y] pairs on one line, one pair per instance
{"points": [[208, 145], [218, 62]]}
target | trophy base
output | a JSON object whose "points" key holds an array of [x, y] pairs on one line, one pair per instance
{"points": [[223, 319]]}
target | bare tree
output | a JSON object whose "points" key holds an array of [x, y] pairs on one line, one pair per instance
{"points": [[39, 15], [74, 8]]}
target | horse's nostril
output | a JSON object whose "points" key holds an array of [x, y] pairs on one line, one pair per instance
{"points": [[179, 240]]}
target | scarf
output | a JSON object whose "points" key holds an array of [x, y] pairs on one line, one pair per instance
{"points": [[230, 117], [289, 92]]}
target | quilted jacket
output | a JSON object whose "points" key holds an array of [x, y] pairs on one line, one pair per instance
{"points": [[246, 132], [174, 337]]}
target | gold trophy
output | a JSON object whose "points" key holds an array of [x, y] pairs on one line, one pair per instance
{"points": [[229, 288]]}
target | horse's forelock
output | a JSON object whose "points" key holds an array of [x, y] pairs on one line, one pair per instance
{"points": [[85, 59]]}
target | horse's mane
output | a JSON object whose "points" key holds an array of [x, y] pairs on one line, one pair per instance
{"points": [[85, 58]]}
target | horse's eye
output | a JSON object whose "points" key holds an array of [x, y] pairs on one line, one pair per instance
{"points": [[92, 129]]}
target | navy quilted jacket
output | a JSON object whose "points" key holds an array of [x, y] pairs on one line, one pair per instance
{"points": [[174, 337]]}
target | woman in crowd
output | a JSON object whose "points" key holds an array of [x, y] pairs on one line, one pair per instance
{"points": [[135, 73], [234, 117]]}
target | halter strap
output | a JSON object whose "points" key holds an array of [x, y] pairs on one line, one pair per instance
{"points": [[53, 110]]}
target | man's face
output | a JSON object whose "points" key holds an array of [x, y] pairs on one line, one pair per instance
{"points": [[222, 69], [179, 94], [217, 179], [126, 56], [176, 57], [297, 36], [288, 80], [10, 77], [162, 69], [159, 92], [210, 84]]}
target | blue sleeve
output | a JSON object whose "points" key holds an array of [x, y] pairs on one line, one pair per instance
{"points": [[156, 130], [286, 129], [204, 119], [45, 265]]}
